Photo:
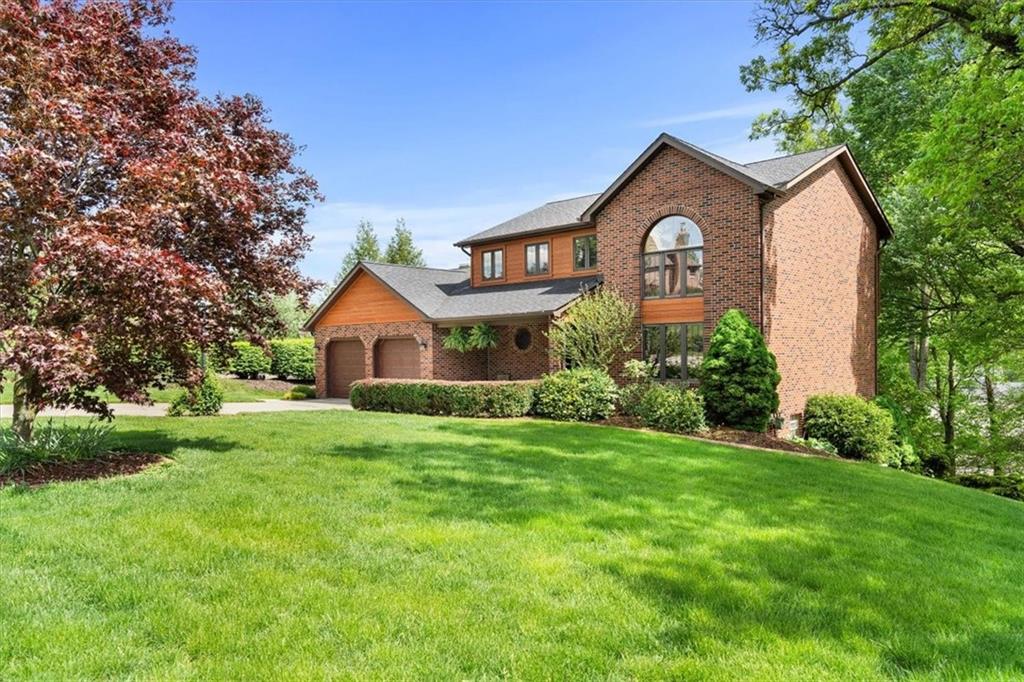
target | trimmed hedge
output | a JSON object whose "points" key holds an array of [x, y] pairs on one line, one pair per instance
{"points": [[672, 408], [577, 395], [249, 361], [859, 429], [292, 359], [455, 398]]}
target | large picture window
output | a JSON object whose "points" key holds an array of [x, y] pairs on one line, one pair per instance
{"points": [[673, 259], [676, 350], [584, 252], [493, 264], [537, 259]]}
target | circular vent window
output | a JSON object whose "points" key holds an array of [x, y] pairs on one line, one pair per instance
{"points": [[523, 339]]}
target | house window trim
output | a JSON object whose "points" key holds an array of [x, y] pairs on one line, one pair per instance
{"points": [[684, 346], [483, 256], [597, 258], [526, 260]]}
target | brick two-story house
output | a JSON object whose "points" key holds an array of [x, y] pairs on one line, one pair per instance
{"points": [[792, 241]]}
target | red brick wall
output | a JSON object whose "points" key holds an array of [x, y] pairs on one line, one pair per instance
{"points": [[508, 362], [820, 294], [455, 366], [725, 209]]}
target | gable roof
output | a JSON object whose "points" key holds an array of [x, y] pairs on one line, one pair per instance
{"points": [[447, 296], [776, 176]]}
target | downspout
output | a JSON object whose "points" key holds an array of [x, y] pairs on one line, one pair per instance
{"points": [[878, 300], [762, 201]]}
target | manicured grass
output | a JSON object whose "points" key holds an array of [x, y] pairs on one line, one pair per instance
{"points": [[333, 544], [235, 391]]}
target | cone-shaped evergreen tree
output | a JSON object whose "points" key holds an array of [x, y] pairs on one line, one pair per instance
{"points": [[739, 375], [401, 250]]}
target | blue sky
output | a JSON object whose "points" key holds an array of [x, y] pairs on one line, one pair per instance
{"points": [[459, 116]]}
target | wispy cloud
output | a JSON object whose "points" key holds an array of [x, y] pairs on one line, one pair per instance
{"points": [[738, 111]]}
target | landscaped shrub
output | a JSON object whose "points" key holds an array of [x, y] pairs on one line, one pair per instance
{"points": [[739, 375], [667, 407], [456, 398], [249, 361], [599, 328], [292, 359], [1005, 485], [639, 375], [52, 442], [205, 399], [576, 395], [300, 393], [857, 428], [815, 444]]}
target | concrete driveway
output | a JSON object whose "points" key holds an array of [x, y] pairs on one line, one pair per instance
{"points": [[160, 409]]}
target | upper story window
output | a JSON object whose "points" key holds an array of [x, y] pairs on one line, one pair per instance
{"points": [[674, 259], [493, 264], [584, 252], [537, 261]]}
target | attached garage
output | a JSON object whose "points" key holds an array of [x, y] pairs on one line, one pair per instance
{"points": [[345, 364], [397, 359]]}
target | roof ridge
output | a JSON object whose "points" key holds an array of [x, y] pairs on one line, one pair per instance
{"points": [[790, 156], [403, 265]]}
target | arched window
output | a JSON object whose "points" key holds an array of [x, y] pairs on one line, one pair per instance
{"points": [[674, 259]]}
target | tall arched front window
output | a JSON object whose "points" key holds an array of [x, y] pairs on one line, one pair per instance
{"points": [[674, 259]]}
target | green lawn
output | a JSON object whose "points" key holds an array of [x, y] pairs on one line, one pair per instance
{"points": [[235, 391], [334, 544]]}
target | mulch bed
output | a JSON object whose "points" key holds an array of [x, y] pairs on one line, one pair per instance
{"points": [[732, 436], [112, 464], [276, 385]]}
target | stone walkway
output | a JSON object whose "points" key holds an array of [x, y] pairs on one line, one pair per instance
{"points": [[160, 409]]}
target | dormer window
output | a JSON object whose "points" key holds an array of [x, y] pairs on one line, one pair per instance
{"points": [[493, 264], [674, 259]]}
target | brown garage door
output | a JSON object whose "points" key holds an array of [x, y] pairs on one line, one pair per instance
{"points": [[398, 359], [345, 364]]}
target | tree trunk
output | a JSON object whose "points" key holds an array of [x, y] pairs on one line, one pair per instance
{"points": [[24, 406], [993, 419], [949, 414], [919, 349]]}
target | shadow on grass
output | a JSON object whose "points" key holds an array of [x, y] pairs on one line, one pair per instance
{"points": [[165, 443], [741, 546]]}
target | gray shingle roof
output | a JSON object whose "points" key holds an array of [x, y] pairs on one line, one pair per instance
{"points": [[771, 173], [447, 294], [551, 215], [780, 170]]}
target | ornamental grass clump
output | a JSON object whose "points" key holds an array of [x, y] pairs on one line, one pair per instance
{"points": [[739, 375]]}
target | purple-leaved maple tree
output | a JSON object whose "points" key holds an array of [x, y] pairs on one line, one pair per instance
{"points": [[139, 222]]}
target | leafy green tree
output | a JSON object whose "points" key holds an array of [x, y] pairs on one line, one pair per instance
{"points": [[739, 375], [401, 250], [599, 329]]}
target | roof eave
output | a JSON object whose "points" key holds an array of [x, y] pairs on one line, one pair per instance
{"points": [[472, 241]]}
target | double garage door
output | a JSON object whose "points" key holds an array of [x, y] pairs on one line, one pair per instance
{"points": [[392, 359]]}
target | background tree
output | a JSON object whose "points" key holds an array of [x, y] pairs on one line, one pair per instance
{"points": [[139, 222], [599, 329], [366, 247], [401, 250]]}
